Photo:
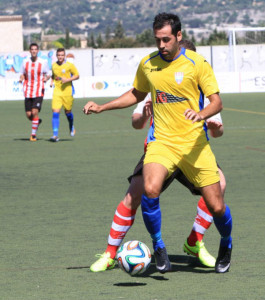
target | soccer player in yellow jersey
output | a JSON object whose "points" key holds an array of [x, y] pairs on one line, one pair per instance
{"points": [[175, 77], [63, 74]]}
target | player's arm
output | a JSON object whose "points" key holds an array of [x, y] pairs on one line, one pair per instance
{"points": [[139, 120], [21, 78], [213, 108], [129, 98], [65, 80]]}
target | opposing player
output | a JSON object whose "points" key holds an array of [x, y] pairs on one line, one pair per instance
{"points": [[34, 73], [63, 74], [177, 140]]}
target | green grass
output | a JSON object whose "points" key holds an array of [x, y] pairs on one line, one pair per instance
{"points": [[58, 200]]}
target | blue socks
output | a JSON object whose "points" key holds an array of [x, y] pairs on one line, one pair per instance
{"points": [[224, 226], [152, 218], [70, 118], [55, 123]]}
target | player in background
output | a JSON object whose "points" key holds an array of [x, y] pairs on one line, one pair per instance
{"points": [[120, 224], [63, 74], [34, 73], [176, 77]]}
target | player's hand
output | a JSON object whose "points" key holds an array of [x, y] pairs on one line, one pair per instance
{"points": [[91, 107], [216, 128], [147, 111], [64, 80], [213, 125], [192, 115]]}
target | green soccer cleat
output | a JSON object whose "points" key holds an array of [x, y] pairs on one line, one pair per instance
{"points": [[201, 252], [103, 263]]}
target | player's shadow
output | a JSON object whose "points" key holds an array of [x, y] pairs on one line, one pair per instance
{"points": [[26, 140], [60, 140], [179, 263], [129, 284]]}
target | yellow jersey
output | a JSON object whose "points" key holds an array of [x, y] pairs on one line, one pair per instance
{"points": [[175, 86], [65, 70]]}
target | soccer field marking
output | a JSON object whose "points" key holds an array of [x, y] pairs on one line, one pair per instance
{"points": [[255, 149], [245, 111]]}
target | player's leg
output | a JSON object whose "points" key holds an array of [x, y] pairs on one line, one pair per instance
{"points": [[200, 168], [35, 120], [194, 244], [123, 220], [213, 198], [56, 107], [154, 175], [68, 104]]}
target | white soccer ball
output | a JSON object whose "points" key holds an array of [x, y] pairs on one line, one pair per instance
{"points": [[134, 257]]}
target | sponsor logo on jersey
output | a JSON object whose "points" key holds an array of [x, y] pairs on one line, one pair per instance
{"points": [[179, 77], [155, 70], [163, 97]]}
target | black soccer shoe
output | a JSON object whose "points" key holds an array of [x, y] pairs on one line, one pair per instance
{"points": [[162, 261], [223, 260]]}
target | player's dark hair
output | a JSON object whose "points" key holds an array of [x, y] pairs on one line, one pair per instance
{"points": [[164, 19], [60, 50], [33, 45], [187, 45]]}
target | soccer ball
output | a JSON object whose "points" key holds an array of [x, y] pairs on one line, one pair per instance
{"points": [[134, 257]]}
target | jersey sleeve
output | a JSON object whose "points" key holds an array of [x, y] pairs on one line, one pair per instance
{"points": [[140, 81], [206, 78], [74, 70]]}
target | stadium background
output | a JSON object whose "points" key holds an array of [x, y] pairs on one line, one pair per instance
{"points": [[110, 72]]}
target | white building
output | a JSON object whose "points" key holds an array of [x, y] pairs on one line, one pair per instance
{"points": [[11, 35]]}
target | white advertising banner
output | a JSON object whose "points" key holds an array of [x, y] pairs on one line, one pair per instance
{"points": [[113, 86]]}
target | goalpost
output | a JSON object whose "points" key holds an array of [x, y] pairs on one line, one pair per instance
{"points": [[243, 36]]}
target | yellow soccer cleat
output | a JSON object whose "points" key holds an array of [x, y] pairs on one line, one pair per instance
{"points": [[103, 263], [33, 138], [201, 252]]}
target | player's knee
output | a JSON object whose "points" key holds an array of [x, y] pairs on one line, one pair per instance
{"points": [[151, 190], [218, 210]]}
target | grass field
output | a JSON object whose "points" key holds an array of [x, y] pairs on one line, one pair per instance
{"points": [[58, 200]]}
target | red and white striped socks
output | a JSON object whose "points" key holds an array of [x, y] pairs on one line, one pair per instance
{"points": [[202, 222], [122, 221], [34, 126]]}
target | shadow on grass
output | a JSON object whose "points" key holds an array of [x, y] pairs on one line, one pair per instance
{"points": [[40, 139]]}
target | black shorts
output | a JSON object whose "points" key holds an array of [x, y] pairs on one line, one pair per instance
{"points": [[178, 175], [31, 103]]}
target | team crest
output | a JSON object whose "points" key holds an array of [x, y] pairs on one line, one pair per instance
{"points": [[179, 77]]}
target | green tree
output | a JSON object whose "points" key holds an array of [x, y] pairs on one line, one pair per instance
{"points": [[91, 40], [146, 38], [67, 39], [107, 33], [99, 41], [119, 31], [217, 38]]}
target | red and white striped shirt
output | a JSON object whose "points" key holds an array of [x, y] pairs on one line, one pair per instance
{"points": [[34, 74]]}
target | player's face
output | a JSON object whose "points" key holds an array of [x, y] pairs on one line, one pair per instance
{"points": [[60, 56], [34, 51], [167, 43]]}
